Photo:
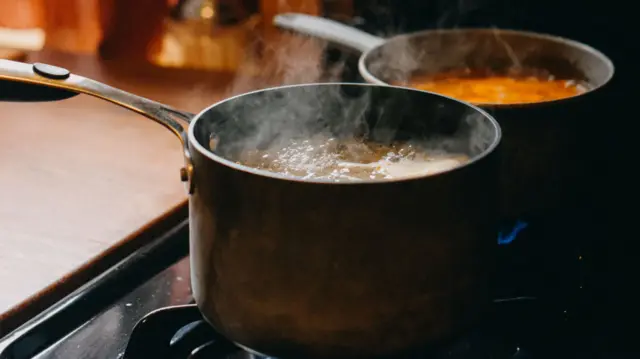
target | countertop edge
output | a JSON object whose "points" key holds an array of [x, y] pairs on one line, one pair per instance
{"points": [[58, 290]]}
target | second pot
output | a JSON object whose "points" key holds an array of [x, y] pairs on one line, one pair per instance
{"points": [[544, 166]]}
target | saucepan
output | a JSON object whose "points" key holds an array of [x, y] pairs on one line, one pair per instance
{"points": [[544, 169], [311, 268]]}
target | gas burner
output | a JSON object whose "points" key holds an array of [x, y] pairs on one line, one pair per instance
{"points": [[176, 332], [179, 332]]}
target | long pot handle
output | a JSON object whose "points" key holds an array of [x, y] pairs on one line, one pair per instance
{"points": [[329, 30], [42, 82]]}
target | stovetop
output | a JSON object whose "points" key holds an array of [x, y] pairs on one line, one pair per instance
{"points": [[142, 308]]}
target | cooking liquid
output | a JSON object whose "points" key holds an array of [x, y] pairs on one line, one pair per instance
{"points": [[341, 161], [498, 89]]}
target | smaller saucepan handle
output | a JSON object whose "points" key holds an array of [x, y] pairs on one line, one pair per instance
{"points": [[329, 30], [42, 82]]}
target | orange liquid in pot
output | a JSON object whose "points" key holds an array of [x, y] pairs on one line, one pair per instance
{"points": [[497, 89]]}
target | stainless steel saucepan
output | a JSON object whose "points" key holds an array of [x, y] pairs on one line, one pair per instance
{"points": [[304, 268]]}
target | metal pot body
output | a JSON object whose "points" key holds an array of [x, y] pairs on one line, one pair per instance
{"points": [[291, 268]]}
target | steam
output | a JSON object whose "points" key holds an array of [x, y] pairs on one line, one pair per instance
{"points": [[311, 119], [404, 57], [277, 120], [508, 49], [271, 121], [287, 60]]}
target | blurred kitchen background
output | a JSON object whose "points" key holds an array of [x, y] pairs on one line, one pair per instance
{"points": [[228, 35], [216, 34]]}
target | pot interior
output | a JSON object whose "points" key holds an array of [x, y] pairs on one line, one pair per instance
{"points": [[497, 51], [381, 114]]}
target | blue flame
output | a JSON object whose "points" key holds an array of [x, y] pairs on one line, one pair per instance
{"points": [[519, 226]]}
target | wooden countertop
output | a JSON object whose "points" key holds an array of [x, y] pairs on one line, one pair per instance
{"points": [[79, 178]]}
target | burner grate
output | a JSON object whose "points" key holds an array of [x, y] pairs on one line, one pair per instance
{"points": [[180, 332], [176, 332]]}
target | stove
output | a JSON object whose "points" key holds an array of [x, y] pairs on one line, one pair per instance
{"points": [[142, 308]]}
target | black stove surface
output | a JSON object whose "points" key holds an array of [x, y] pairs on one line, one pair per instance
{"points": [[142, 308]]}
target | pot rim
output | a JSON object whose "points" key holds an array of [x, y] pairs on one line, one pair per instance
{"points": [[225, 162], [370, 78]]}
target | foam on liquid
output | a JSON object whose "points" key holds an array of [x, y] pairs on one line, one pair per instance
{"points": [[340, 161]]}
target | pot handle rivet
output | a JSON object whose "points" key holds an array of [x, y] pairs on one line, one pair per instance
{"points": [[184, 175]]}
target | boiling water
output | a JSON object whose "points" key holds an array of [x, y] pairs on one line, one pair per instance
{"points": [[340, 161]]}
